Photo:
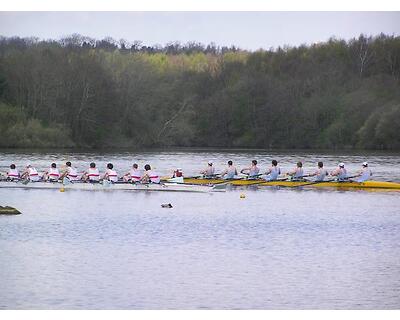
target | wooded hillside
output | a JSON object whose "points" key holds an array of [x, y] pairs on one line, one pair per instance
{"points": [[84, 92]]}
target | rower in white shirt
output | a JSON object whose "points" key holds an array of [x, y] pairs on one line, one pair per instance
{"points": [[70, 172], [320, 173], [209, 171], [273, 172], [150, 175], [52, 174], [134, 175], [230, 172], [251, 171], [298, 172], [30, 174], [340, 172], [13, 174], [110, 174], [91, 174], [364, 174]]}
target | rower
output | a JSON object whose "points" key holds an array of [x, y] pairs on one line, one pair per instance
{"points": [[229, 172], [177, 173], [251, 171], [70, 173], [92, 174], [340, 172], [149, 175], [134, 175], [110, 175], [52, 174], [13, 174], [30, 174], [364, 174], [297, 173], [320, 173], [208, 172], [273, 172]]}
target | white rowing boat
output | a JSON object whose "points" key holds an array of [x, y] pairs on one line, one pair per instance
{"points": [[107, 186]]}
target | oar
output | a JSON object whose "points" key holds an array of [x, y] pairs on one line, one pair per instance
{"points": [[323, 181], [252, 177], [311, 183]]}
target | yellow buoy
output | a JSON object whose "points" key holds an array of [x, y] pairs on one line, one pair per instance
{"points": [[62, 190], [242, 196]]}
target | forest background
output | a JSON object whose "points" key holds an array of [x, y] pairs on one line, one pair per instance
{"points": [[83, 92]]}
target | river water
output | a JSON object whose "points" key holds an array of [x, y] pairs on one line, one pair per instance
{"points": [[274, 249]]}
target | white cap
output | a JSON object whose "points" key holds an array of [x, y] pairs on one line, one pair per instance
{"points": [[365, 164], [179, 169], [28, 165], [341, 164], [210, 162]]}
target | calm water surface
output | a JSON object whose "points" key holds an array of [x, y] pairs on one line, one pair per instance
{"points": [[275, 249]]}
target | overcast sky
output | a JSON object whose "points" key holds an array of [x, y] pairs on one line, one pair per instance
{"points": [[248, 30]]}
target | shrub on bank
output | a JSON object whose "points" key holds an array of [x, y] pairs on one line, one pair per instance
{"points": [[17, 132]]}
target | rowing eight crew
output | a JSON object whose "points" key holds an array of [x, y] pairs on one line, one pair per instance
{"points": [[135, 175], [272, 173], [92, 174]]}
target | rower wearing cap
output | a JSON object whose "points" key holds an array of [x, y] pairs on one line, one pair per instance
{"points": [[340, 172], [252, 171], [230, 172], [52, 174], [92, 174], [134, 175], [364, 174], [13, 174], [150, 175], [209, 171], [298, 172], [273, 172], [30, 174], [178, 173], [320, 173], [110, 174], [70, 172]]}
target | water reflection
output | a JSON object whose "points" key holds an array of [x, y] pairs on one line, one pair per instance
{"points": [[276, 248]]}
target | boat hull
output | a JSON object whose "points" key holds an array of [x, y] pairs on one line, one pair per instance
{"points": [[330, 184], [109, 186]]}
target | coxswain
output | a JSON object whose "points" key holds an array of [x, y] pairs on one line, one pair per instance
{"points": [[30, 174], [340, 172], [320, 173], [178, 173], [297, 173], [134, 175], [273, 172], [13, 174], [149, 175], [252, 171], [70, 172], [92, 174], [52, 174], [364, 174], [230, 172], [209, 171], [111, 174]]}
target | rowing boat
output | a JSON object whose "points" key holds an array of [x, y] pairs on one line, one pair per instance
{"points": [[110, 186], [288, 183]]}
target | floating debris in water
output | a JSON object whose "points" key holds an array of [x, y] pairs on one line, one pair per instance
{"points": [[9, 210], [166, 205]]}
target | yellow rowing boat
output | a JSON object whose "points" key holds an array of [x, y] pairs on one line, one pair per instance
{"points": [[288, 183]]}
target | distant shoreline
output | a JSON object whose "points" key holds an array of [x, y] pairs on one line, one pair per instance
{"points": [[196, 149]]}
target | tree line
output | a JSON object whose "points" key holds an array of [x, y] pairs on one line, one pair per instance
{"points": [[82, 92]]}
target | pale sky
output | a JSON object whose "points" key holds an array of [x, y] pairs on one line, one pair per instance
{"points": [[248, 30]]}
